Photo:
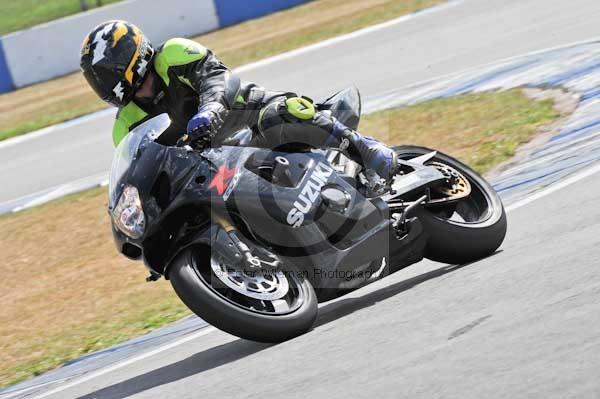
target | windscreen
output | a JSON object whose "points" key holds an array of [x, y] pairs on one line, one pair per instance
{"points": [[127, 149]]}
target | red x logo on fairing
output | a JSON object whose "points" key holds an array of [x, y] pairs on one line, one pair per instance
{"points": [[222, 179]]}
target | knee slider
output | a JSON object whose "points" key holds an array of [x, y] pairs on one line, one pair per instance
{"points": [[301, 108]]}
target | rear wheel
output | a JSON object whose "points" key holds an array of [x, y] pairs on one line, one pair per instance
{"points": [[260, 306], [467, 228]]}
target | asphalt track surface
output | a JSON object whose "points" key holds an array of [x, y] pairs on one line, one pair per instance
{"points": [[450, 39], [522, 323]]}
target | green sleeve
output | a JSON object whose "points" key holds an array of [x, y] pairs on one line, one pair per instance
{"points": [[127, 118], [120, 130], [186, 62], [175, 53]]}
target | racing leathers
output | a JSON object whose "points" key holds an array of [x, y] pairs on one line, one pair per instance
{"points": [[189, 78]]}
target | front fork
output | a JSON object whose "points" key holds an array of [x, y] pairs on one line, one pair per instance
{"points": [[250, 261]]}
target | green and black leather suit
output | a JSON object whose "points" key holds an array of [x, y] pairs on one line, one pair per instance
{"points": [[191, 76]]}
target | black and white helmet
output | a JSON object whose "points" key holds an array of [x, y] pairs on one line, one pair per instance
{"points": [[115, 57]]}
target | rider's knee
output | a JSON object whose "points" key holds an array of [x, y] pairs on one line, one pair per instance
{"points": [[293, 110]]}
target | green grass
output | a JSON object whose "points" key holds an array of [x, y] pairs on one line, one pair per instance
{"points": [[71, 293], [101, 335], [483, 129], [21, 14]]}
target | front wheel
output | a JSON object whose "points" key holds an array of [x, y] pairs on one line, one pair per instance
{"points": [[464, 230], [259, 306]]}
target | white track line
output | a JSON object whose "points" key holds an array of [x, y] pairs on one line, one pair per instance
{"points": [[347, 36], [91, 376], [207, 330], [51, 129], [555, 187]]}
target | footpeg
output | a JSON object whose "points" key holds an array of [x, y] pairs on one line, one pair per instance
{"points": [[399, 224], [153, 277]]}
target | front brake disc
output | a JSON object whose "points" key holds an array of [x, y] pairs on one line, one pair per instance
{"points": [[260, 284]]}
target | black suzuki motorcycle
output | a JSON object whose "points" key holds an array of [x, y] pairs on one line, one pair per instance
{"points": [[252, 239]]}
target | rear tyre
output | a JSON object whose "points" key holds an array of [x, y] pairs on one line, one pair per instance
{"points": [[467, 230], [222, 303]]}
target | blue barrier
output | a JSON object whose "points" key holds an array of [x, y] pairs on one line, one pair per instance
{"points": [[6, 82], [233, 11]]}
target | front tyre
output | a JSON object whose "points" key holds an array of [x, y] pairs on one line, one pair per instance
{"points": [[466, 230], [269, 307]]}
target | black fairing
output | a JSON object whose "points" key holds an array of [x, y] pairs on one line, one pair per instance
{"points": [[259, 189], [345, 106]]}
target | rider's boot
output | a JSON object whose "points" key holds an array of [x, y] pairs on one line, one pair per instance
{"points": [[373, 155]]}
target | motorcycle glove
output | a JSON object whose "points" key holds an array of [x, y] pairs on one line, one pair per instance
{"points": [[203, 126]]}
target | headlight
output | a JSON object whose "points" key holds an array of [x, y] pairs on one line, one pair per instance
{"points": [[128, 215]]}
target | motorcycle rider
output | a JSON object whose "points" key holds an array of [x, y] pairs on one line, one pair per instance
{"points": [[206, 101]]}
